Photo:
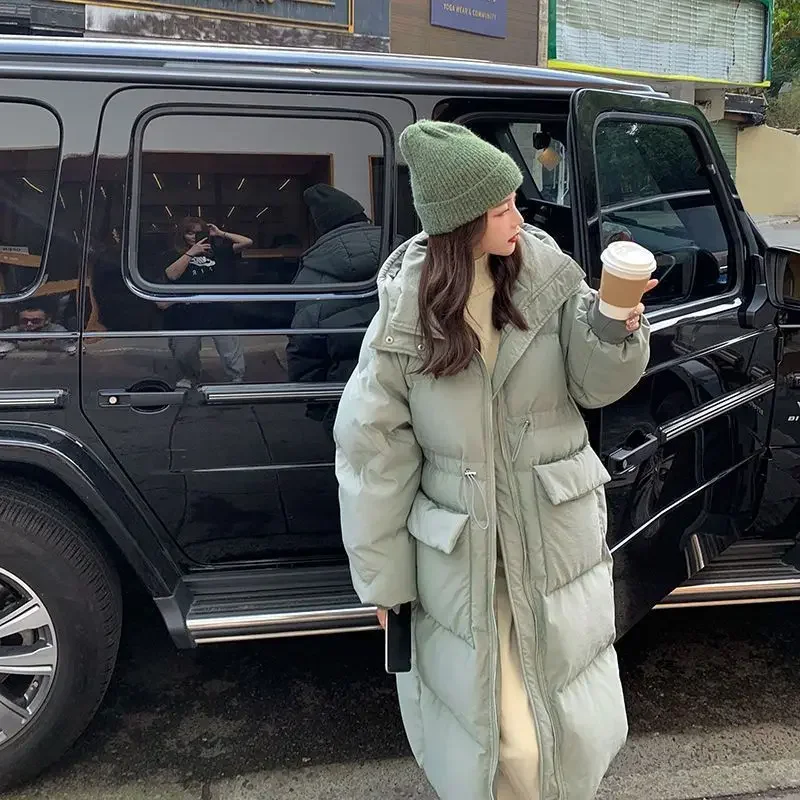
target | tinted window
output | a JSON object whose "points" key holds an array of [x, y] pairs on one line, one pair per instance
{"points": [[260, 190], [545, 156], [654, 190], [407, 220], [29, 148]]}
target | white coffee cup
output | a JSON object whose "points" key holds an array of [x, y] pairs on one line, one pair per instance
{"points": [[627, 267]]}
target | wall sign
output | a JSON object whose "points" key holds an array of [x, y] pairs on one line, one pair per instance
{"points": [[484, 17]]}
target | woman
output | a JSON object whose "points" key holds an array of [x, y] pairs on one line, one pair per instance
{"points": [[468, 487], [203, 254]]}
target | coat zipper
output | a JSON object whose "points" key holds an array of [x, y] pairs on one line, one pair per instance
{"points": [[538, 654], [525, 426], [491, 516]]}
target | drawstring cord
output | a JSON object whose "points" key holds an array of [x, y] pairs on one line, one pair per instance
{"points": [[471, 476]]}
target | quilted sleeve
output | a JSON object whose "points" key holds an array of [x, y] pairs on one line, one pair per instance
{"points": [[603, 361], [378, 466]]}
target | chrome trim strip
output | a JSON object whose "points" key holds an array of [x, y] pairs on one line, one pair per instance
{"points": [[741, 601], [22, 399], [734, 587], [715, 408], [672, 506], [243, 622], [659, 319], [247, 637], [742, 592], [270, 393]]}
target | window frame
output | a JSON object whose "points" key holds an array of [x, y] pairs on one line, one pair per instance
{"points": [[41, 272], [148, 290], [717, 191]]}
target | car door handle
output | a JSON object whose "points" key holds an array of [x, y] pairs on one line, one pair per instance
{"points": [[108, 398], [637, 449]]}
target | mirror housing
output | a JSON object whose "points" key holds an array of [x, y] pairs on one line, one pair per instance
{"points": [[783, 278]]}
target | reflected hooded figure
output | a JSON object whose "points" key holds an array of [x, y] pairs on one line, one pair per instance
{"points": [[347, 251]]}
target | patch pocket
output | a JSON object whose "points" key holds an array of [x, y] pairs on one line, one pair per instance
{"points": [[571, 506], [444, 564]]}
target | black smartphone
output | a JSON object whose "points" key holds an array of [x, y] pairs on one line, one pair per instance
{"points": [[397, 640]]}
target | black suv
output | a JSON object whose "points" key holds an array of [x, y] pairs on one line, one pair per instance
{"points": [[172, 420]]}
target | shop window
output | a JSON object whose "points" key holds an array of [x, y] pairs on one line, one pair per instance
{"points": [[30, 140], [249, 196]]}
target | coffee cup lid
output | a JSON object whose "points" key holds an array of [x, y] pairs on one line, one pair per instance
{"points": [[629, 257]]}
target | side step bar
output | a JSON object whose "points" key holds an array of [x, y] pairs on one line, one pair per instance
{"points": [[286, 602], [313, 601], [750, 571]]}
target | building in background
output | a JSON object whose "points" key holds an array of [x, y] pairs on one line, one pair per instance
{"points": [[702, 51], [339, 24], [714, 53]]}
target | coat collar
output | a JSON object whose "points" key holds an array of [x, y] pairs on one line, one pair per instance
{"points": [[548, 277]]}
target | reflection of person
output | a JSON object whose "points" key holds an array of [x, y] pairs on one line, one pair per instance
{"points": [[614, 232], [34, 319], [438, 507], [347, 251], [203, 254], [113, 307]]}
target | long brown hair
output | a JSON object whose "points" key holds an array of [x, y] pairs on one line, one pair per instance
{"points": [[444, 289]]}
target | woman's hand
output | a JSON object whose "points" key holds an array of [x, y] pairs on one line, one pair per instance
{"points": [[382, 613], [198, 248], [634, 318], [213, 230]]}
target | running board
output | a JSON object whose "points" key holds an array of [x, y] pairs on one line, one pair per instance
{"points": [[750, 571], [281, 603], [309, 601]]}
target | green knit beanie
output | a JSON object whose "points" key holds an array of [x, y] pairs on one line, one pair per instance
{"points": [[456, 177]]}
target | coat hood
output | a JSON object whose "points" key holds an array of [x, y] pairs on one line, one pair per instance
{"points": [[330, 207], [348, 254]]}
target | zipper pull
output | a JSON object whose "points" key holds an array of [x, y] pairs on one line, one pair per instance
{"points": [[472, 479], [525, 426]]}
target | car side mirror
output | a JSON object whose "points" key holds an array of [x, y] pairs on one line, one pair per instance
{"points": [[783, 278]]}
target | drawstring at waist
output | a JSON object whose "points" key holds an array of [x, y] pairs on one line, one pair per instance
{"points": [[471, 476]]}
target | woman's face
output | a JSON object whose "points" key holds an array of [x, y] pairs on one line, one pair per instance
{"points": [[190, 237], [502, 229]]}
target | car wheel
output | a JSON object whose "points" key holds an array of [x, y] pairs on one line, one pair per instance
{"points": [[60, 621]]}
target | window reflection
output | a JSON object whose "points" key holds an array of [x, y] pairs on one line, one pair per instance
{"points": [[347, 251], [29, 143], [248, 175], [35, 319], [655, 191]]}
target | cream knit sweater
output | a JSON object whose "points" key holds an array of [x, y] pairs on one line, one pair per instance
{"points": [[479, 311]]}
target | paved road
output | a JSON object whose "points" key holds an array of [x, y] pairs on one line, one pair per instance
{"points": [[713, 695]]}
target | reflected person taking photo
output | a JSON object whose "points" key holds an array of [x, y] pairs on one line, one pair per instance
{"points": [[203, 254]]}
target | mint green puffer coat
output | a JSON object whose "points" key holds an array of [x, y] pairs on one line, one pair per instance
{"points": [[430, 469]]}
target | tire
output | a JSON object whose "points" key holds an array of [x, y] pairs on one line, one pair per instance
{"points": [[48, 552]]}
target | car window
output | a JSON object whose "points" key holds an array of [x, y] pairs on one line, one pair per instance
{"points": [[30, 139], [654, 190], [248, 197], [545, 156]]}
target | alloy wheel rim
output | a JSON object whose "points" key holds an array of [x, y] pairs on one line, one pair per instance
{"points": [[28, 655]]}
